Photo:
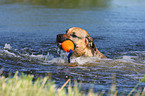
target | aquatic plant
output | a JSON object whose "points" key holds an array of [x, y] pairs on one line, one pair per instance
{"points": [[24, 86]]}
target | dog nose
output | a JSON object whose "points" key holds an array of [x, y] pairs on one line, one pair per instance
{"points": [[59, 36]]}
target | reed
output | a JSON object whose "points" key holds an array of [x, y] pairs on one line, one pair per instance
{"points": [[24, 86]]}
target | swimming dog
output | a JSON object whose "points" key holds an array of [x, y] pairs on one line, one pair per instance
{"points": [[84, 44]]}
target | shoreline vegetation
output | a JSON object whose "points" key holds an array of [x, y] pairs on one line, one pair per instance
{"points": [[25, 86]]}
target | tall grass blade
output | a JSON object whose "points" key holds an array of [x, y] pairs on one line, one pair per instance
{"points": [[63, 86], [142, 80]]}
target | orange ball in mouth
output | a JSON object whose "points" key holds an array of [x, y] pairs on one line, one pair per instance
{"points": [[67, 45]]}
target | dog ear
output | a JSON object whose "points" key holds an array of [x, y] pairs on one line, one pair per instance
{"points": [[67, 30], [90, 43]]}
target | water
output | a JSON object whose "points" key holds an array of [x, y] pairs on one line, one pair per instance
{"points": [[28, 41]]}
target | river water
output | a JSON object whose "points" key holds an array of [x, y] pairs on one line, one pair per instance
{"points": [[28, 41]]}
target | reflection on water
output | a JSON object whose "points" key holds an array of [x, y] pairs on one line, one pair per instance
{"points": [[64, 3], [78, 4], [28, 32]]}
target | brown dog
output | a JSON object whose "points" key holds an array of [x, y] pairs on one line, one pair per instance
{"points": [[83, 42]]}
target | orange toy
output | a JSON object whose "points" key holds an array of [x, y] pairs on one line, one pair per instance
{"points": [[67, 45]]}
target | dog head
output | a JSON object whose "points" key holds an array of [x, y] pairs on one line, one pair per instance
{"points": [[84, 44]]}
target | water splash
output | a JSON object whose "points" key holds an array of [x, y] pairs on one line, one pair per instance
{"points": [[7, 46], [129, 64], [132, 57]]}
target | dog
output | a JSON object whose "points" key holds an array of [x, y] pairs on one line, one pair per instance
{"points": [[84, 44]]}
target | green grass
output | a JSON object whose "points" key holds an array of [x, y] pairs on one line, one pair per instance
{"points": [[24, 86]]}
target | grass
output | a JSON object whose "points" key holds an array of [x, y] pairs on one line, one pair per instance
{"points": [[24, 86]]}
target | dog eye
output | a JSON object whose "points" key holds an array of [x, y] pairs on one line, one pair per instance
{"points": [[74, 35]]}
